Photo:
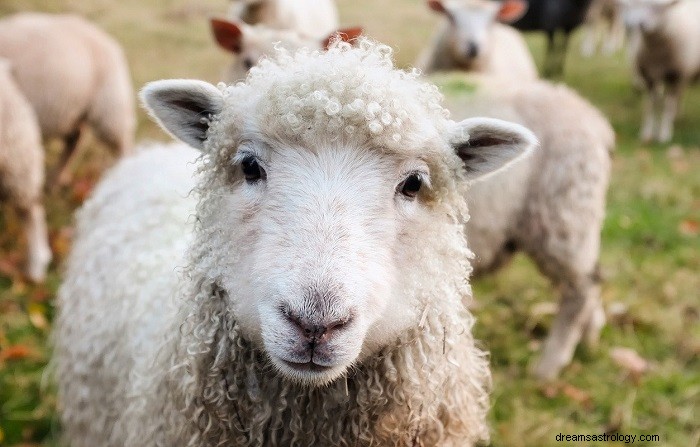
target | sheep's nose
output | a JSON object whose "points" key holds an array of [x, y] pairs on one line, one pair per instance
{"points": [[318, 332], [472, 49]]}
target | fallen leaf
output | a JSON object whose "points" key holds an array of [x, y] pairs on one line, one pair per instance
{"points": [[16, 352], [37, 315], [629, 360], [578, 395], [689, 227]]}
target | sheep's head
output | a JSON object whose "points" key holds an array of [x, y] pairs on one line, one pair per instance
{"points": [[251, 43], [470, 22], [334, 199], [645, 15]]}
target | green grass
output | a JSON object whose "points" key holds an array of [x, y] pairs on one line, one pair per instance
{"points": [[650, 254]]}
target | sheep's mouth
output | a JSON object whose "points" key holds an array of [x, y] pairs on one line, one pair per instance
{"points": [[307, 367]]}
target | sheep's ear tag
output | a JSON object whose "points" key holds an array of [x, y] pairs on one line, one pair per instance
{"points": [[228, 35], [183, 107], [486, 145], [437, 6], [512, 10], [343, 35]]}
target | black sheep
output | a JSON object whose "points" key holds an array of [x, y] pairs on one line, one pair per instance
{"points": [[555, 17]]}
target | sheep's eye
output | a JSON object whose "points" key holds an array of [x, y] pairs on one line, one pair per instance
{"points": [[248, 63], [252, 170], [411, 185]]}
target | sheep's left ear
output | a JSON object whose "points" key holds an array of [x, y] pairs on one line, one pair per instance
{"points": [[487, 145], [511, 10], [183, 107]]}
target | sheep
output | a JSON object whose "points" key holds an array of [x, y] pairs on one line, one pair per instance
{"points": [[73, 74], [553, 16], [310, 18], [471, 39], [667, 58], [22, 170], [604, 27], [250, 43], [322, 297], [557, 216]]}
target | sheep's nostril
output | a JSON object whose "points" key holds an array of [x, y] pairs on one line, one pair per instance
{"points": [[472, 49], [316, 332]]}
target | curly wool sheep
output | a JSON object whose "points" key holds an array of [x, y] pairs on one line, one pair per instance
{"points": [[73, 74], [316, 295], [550, 205], [22, 170], [474, 38]]}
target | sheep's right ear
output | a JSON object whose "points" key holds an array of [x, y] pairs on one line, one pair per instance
{"points": [[228, 35], [183, 107], [437, 6], [486, 145], [512, 10]]}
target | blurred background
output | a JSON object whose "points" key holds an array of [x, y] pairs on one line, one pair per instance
{"points": [[650, 255]]}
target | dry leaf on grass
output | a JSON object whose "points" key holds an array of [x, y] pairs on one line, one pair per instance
{"points": [[37, 315], [689, 227], [630, 361], [15, 352]]}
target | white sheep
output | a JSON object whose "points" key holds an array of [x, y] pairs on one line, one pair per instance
{"points": [[310, 18], [667, 57], [321, 299], [472, 39], [22, 170], [550, 205], [73, 74], [250, 43]]}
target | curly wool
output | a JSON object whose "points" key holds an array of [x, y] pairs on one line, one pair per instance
{"points": [[204, 384]]}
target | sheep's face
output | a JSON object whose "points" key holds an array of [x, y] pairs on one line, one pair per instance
{"points": [[326, 226], [470, 23], [322, 213], [645, 15]]}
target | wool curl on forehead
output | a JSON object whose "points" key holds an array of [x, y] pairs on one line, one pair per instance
{"points": [[352, 93]]}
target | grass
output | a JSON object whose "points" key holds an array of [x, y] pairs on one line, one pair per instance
{"points": [[650, 255]]}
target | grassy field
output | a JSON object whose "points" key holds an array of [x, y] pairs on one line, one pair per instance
{"points": [[650, 258]]}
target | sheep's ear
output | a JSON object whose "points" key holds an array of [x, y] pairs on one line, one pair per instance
{"points": [[228, 35], [343, 35], [487, 145], [437, 6], [183, 107], [511, 10]]}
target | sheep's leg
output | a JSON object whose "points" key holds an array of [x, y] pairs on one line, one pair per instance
{"points": [[550, 56], [616, 35], [561, 53], [670, 110], [39, 252], [590, 39], [579, 313], [67, 156], [652, 101]]}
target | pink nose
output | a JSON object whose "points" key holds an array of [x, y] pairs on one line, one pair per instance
{"points": [[317, 332]]}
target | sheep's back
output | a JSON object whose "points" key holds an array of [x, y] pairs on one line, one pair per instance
{"points": [[121, 279], [60, 62]]}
